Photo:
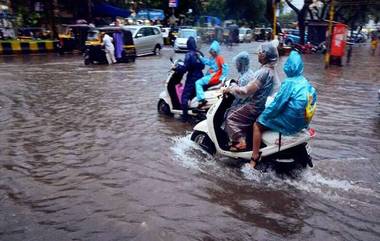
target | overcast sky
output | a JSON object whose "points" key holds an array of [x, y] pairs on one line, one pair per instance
{"points": [[297, 3]]}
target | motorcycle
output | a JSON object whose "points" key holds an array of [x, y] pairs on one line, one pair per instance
{"points": [[169, 102], [283, 152]]}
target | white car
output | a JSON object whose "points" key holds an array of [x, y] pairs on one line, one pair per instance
{"points": [[147, 39], [245, 35], [180, 43]]}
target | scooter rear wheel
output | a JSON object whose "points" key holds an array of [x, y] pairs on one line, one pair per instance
{"points": [[163, 107]]}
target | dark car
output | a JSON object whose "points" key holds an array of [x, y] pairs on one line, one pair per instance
{"points": [[263, 34], [29, 33], [95, 52]]}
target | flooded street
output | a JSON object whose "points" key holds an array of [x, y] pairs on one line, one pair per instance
{"points": [[84, 155]]}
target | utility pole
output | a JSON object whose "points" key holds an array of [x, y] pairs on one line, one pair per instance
{"points": [[329, 35], [89, 10], [52, 13]]}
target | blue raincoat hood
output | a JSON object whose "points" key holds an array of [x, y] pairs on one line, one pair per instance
{"points": [[215, 46], [294, 65], [191, 44]]}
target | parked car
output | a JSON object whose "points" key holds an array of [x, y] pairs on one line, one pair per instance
{"points": [[356, 37], [180, 44], [147, 39], [263, 34], [7, 33], [245, 35], [33, 33], [293, 37]]}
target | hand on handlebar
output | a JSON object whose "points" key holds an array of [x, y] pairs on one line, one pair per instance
{"points": [[225, 90]]}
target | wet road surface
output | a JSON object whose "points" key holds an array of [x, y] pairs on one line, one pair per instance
{"points": [[85, 156]]}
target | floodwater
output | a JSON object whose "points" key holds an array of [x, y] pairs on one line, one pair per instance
{"points": [[85, 156]]}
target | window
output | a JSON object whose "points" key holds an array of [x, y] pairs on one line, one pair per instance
{"points": [[142, 32], [156, 31], [187, 34], [148, 31]]}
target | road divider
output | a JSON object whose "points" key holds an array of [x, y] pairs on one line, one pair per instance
{"points": [[27, 46]]}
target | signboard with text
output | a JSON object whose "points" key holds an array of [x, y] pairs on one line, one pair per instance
{"points": [[173, 3]]}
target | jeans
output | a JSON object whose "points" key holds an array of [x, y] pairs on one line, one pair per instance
{"points": [[199, 84]]}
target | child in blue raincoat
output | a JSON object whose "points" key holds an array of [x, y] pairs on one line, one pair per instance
{"points": [[217, 72], [292, 108]]}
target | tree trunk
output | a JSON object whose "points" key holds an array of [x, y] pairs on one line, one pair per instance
{"points": [[52, 9], [301, 23], [301, 27]]}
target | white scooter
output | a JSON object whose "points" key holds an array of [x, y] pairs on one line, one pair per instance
{"points": [[276, 150], [169, 101]]}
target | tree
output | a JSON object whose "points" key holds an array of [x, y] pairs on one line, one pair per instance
{"points": [[288, 18], [249, 10], [216, 8], [301, 17], [357, 15]]}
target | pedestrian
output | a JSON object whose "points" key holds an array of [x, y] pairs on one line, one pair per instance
{"points": [[374, 43], [106, 41]]}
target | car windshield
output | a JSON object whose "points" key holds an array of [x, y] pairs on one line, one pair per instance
{"points": [[242, 31], [187, 34], [133, 30], [92, 35]]}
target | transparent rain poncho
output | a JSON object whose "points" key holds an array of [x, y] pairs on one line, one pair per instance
{"points": [[240, 118]]}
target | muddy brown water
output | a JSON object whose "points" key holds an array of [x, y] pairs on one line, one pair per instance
{"points": [[85, 156]]}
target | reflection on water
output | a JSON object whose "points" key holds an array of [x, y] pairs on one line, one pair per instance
{"points": [[84, 156]]}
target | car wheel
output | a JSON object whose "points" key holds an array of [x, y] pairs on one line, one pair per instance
{"points": [[157, 50], [203, 141]]}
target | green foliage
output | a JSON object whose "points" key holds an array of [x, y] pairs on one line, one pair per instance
{"points": [[216, 8], [246, 10], [358, 15], [288, 18], [26, 18]]}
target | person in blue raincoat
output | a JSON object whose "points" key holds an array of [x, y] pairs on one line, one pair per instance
{"points": [[217, 72], [193, 66], [292, 108]]}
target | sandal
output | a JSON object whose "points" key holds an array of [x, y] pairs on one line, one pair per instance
{"points": [[255, 161]]}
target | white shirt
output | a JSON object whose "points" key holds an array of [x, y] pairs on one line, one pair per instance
{"points": [[107, 42]]}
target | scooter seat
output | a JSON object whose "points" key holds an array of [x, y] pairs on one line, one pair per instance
{"points": [[214, 87], [272, 137]]}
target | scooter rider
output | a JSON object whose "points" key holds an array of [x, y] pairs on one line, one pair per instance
{"points": [[218, 72], [193, 66], [251, 97], [292, 108]]}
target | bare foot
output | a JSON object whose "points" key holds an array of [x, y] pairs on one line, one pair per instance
{"points": [[252, 164]]}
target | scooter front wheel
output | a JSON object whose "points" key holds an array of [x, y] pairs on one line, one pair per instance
{"points": [[204, 141]]}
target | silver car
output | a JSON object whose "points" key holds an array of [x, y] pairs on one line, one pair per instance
{"points": [[245, 35], [147, 39], [180, 43]]}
